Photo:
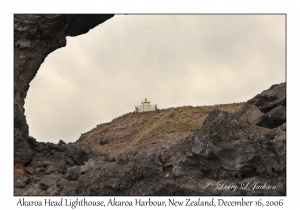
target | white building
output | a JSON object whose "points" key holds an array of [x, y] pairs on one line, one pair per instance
{"points": [[145, 106]]}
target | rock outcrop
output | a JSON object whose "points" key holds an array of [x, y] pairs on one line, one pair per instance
{"points": [[266, 109], [35, 36], [230, 149]]}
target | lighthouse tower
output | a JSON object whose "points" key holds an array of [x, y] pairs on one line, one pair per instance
{"points": [[145, 106]]}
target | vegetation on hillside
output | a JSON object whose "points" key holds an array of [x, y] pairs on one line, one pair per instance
{"points": [[138, 130]]}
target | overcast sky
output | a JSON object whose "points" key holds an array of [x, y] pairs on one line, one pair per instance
{"points": [[173, 60]]}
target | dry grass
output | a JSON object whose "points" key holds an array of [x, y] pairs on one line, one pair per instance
{"points": [[137, 130]]}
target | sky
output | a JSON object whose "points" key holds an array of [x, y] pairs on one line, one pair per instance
{"points": [[172, 60]]}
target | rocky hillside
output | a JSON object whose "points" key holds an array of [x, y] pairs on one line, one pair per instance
{"points": [[177, 151], [134, 131]]}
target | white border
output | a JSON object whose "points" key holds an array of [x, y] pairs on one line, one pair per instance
{"points": [[8, 8]]}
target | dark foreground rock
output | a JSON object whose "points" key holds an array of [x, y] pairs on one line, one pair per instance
{"points": [[35, 36], [29, 170], [266, 109], [49, 180], [78, 155], [232, 154]]}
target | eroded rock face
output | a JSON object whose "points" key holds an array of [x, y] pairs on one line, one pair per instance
{"points": [[35, 36], [224, 148], [266, 109]]}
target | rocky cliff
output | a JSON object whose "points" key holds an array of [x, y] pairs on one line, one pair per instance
{"points": [[35, 36], [241, 152]]}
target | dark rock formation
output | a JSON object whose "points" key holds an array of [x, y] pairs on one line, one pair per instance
{"points": [[33, 192], [226, 149], [19, 183], [266, 109], [22, 181], [72, 173], [35, 36], [58, 165], [49, 180], [61, 142], [29, 170], [78, 155]]}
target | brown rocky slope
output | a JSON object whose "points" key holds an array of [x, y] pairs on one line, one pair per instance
{"points": [[134, 131], [245, 148]]}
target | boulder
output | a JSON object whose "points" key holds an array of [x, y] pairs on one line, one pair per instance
{"points": [[53, 146], [149, 163], [29, 170], [44, 163], [32, 192], [32, 141], [52, 191], [178, 171], [78, 155], [70, 161], [251, 115], [61, 142], [271, 98], [25, 179], [267, 109], [37, 170], [58, 164], [278, 115], [20, 184], [265, 121], [72, 173], [23, 153], [92, 165], [272, 119], [39, 147], [49, 180], [51, 168]]}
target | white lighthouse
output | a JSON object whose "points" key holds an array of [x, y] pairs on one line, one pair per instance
{"points": [[145, 106]]}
